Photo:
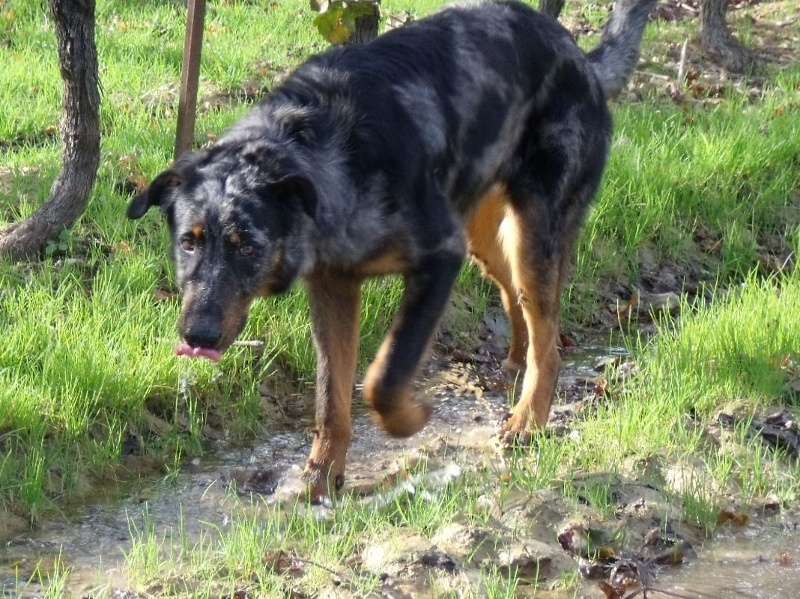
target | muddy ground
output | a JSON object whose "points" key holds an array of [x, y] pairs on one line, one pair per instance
{"points": [[538, 536], [544, 538]]}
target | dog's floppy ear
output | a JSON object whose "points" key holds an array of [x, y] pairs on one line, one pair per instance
{"points": [[155, 194], [300, 187], [282, 175]]}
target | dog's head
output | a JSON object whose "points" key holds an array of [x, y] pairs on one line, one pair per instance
{"points": [[240, 217]]}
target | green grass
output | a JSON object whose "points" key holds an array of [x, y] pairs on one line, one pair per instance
{"points": [[86, 361], [737, 356], [724, 171]]}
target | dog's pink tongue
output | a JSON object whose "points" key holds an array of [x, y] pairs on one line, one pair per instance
{"points": [[184, 349]]}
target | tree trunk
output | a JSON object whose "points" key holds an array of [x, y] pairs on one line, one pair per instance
{"points": [[718, 40], [80, 132], [552, 8]]}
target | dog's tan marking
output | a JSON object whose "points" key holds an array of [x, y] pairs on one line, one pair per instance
{"points": [[276, 265], [538, 296], [391, 262], [484, 235]]}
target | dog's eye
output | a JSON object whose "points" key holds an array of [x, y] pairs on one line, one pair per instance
{"points": [[247, 250], [187, 244]]}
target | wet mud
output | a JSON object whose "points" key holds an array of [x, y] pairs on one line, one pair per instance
{"points": [[470, 395], [642, 546]]}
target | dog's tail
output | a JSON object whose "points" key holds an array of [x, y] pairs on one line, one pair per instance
{"points": [[615, 56]]}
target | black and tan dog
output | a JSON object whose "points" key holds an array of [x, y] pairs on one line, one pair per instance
{"points": [[481, 129]]}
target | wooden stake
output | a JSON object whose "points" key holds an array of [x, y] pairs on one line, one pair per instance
{"points": [[190, 76]]}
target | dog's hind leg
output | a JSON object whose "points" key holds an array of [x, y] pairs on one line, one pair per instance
{"points": [[483, 231], [387, 386], [335, 303], [536, 255]]}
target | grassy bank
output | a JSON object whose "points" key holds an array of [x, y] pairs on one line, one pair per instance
{"points": [[703, 186]]}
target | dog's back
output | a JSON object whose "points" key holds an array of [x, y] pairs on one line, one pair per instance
{"points": [[453, 95]]}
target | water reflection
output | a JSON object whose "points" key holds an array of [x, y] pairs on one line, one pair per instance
{"points": [[760, 562]]}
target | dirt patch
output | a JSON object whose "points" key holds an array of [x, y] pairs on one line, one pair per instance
{"points": [[682, 71], [537, 536]]}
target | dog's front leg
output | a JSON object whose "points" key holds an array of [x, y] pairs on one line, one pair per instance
{"points": [[387, 386], [335, 303]]}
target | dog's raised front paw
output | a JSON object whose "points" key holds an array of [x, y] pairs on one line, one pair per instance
{"points": [[407, 417]]}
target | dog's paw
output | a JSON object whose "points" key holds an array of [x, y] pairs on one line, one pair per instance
{"points": [[512, 366], [510, 439], [521, 433], [406, 418], [321, 481], [516, 431]]}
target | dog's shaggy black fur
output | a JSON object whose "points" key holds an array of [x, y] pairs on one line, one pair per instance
{"points": [[481, 129]]}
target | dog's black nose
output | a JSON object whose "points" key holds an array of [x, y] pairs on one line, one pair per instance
{"points": [[202, 333]]}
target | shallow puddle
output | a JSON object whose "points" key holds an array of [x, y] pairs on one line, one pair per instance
{"points": [[759, 562], [91, 542]]}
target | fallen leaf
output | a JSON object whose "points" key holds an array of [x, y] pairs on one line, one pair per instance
{"points": [[161, 295], [730, 515], [671, 558], [609, 591], [605, 553], [121, 247], [279, 562]]}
